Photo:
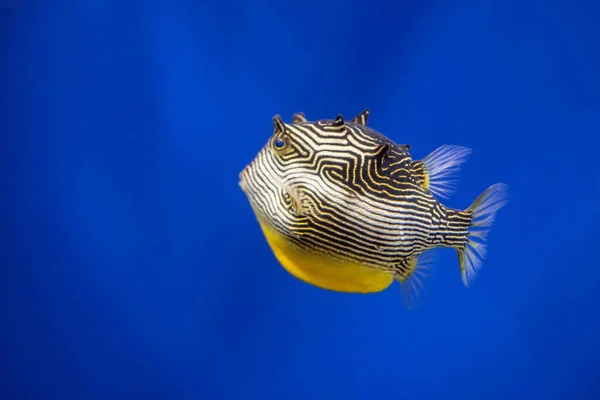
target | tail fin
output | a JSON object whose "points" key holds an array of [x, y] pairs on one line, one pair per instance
{"points": [[483, 211]]}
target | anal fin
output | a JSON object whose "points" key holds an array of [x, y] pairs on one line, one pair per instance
{"points": [[411, 274], [438, 171]]}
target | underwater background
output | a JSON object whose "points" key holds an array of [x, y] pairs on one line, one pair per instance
{"points": [[132, 266]]}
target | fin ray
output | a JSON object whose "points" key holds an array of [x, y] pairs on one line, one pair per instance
{"points": [[441, 168], [483, 210], [419, 268]]}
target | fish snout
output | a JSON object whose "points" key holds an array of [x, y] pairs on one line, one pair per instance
{"points": [[243, 177]]}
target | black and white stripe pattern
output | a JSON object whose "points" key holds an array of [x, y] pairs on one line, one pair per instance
{"points": [[343, 189]]}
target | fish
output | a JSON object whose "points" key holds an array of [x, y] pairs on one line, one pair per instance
{"points": [[344, 208]]}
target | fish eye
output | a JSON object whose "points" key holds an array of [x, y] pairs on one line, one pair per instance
{"points": [[279, 144]]}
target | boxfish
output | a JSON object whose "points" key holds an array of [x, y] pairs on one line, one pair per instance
{"points": [[345, 208]]}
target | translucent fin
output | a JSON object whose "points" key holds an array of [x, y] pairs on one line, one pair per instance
{"points": [[438, 171], [419, 268], [295, 199], [483, 210], [301, 204], [295, 203]]}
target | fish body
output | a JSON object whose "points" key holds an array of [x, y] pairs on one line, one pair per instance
{"points": [[345, 208]]}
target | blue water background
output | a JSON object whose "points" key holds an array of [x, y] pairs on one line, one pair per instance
{"points": [[132, 267]]}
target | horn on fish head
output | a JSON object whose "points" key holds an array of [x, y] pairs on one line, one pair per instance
{"points": [[278, 125]]}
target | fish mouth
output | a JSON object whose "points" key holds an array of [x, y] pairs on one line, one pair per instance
{"points": [[242, 177]]}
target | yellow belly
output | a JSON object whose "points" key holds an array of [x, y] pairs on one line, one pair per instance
{"points": [[324, 271]]}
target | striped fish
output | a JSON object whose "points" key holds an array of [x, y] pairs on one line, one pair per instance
{"points": [[345, 208]]}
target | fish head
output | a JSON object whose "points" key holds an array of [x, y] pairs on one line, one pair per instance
{"points": [[271, 181], [303, 163]]}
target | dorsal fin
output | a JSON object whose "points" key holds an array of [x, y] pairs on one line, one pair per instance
{"points": [[362, 118], [421, 173], [299, 118], [438, 171], [278, 125], [339, 120]]}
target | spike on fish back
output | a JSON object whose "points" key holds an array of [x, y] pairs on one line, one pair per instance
{"points": [[438, 171], [339, 121], [299, 118], [362, 118], [483, 211]]}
